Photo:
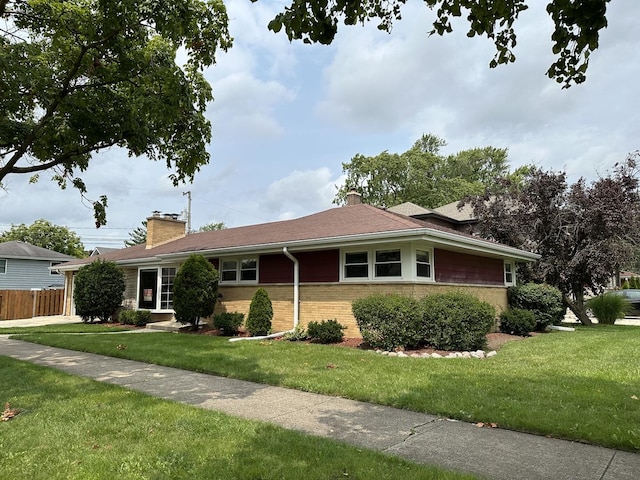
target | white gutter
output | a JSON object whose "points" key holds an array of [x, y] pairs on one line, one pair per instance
{"points": [[296, 302]]}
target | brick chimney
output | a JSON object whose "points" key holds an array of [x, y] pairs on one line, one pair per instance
{"points": [[163, 228], [353, 197]]}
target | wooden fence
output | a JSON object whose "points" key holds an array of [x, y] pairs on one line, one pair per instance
{"points": [[15, 304]]}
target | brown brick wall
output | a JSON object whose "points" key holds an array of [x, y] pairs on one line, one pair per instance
{"points": [[333, 301]]}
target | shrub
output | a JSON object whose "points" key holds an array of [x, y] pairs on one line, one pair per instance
{"points": [[608, 307], [543, 300], [98, 290], [228, 322], [329, 331], [195, 290], [456, 321], [516, 321], [298, 334], [387, 321], [142, 317], [260, 313], [139, 318]]}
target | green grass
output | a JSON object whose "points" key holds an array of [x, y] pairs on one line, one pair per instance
{"points": [[109, 432], [64, 328], [582, 385]]}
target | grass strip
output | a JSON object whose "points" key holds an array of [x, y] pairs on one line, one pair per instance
{"points": [[581, 385], [108, 432], [64, 328]]}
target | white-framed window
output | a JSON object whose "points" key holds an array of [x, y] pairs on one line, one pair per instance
{"points": [[239, 270], [3, 266], [356, 265], [423, 263], [51, 271], [509, 273], [388, 263], [155, 288]]}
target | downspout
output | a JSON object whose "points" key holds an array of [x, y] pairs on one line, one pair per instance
{"points": [[296, 302]]}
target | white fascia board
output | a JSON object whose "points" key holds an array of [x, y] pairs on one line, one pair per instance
{"points": [[433, 236]]}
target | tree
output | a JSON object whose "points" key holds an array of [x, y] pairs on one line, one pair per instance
{"points": [[98, 290], [195, 290], [422, 175], [210, 227], [576, 34], [80, 76], [260, 313], [584, 233], [45, 234], [138, 236]]}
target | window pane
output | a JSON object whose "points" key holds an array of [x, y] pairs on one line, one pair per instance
{"points": [[246, 275], [229, 265], [422, 256], [387, 256], [424, 270], [248, 263], [356, 271], [359, 257], [388, 270], [229, 276], [3, 266], [166, 289]]}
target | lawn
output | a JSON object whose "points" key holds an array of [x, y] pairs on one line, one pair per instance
{"points": [[581, 385], [109, 432], [65, 328]]}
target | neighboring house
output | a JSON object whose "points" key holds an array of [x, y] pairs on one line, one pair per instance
{"points": [[447, 215], [324, 260], [101, 251], [24, 266]]}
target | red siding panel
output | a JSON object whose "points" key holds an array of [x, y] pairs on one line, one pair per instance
{"points": [[322, 266], [455, 267]]}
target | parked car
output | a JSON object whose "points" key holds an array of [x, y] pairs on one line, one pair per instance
{"points": [[633, 296]]}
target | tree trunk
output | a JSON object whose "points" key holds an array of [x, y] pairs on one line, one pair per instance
{"points": [[577, 308]]}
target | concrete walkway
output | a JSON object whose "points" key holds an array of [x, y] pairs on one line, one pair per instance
{"points": [[421, 438]]}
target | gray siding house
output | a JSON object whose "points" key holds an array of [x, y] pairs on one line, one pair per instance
{"points": [[24, 266]]}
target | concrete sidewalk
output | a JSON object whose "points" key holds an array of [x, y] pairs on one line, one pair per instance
{"points": [[421, 438]]}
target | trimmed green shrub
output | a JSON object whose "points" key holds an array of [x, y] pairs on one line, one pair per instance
{"points": [[260, 313], [608, 307], [327, 331], [516, 321], [456, 321], [195, 290], [543, 300], [298, 334], [139, 318], [228, 322], [625, 285], [98, 290], [388, 321]]}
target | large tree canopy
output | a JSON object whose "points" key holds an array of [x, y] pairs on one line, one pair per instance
{"points": [[576, 33], [45, 234], [80, 76], [422, 175], [584, 232]]}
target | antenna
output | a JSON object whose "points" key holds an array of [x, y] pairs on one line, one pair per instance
{"points": [[188, 194]]}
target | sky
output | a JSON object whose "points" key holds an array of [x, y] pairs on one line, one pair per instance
{"points": [[286, 116]]}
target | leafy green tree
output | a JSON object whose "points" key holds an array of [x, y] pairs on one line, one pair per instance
{"points": [[584, 232], [45, 234], [210, 227], [195, 290], [260, 313], [80, 76], [422, 175], [576, 34], [98, 290], [138, 236]]}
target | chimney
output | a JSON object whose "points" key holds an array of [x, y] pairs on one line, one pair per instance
{"points": [[163, 228], [353, 197]]}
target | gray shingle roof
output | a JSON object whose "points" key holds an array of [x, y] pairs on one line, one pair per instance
{"points": [[17, 249]]}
